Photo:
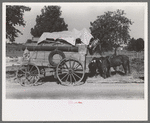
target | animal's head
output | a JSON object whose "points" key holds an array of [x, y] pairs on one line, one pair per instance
{"points": [[104, 61], [92, 45], [93, 65], [100, 62]]}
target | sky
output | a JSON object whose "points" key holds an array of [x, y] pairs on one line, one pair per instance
{"points": [[79, 16]]}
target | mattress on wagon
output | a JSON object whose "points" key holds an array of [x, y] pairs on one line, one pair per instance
{"points": [[69, 36]]}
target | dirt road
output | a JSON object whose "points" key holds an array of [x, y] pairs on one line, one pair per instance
{"points": [[116, 87]]}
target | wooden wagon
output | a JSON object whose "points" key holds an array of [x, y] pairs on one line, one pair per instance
{"points": [[65, 61]]}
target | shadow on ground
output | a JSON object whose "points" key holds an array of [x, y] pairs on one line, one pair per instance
{"points": [[48, 79], [118, 72], [112, 74], [55, 80]]}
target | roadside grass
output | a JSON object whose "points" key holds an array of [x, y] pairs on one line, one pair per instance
{"points": [[14, 53]]}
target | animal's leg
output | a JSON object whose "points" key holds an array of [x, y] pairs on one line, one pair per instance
{"points": [[96, 74], [129, 67], [115, 68], [105, 76], [125, 69], [100, 72], [105, 73], [108, 72]]}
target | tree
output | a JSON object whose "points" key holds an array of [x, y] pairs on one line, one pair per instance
{"points": [[136, 45], [14, 17], [132, 44], [111, 28], [49, 21], [139, 44]]}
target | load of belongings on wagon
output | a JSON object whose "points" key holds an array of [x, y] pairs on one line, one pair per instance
{"points": [[64, 41], [69, 37]]}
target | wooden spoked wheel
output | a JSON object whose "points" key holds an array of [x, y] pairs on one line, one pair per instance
{"points": [[28, 74], [70, 72]]}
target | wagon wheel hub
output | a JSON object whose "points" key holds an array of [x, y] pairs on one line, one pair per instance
{"points": [[27, 74], [70, 71]]}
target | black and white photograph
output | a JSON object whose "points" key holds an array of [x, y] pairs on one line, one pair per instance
{"points": [[65, 61]]}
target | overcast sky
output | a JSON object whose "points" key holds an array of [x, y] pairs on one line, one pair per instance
{"points": [[79, 16]]}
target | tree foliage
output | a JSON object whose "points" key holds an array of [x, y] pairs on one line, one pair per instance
{"points": [[14, 17], [49, 21], [111, 28], [136, 45]]}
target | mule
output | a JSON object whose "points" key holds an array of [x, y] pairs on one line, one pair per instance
{"points": [[118, 60], [99, 65], [104, 67], [93, 68]]}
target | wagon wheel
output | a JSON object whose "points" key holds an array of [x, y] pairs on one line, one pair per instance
{"points": [[70, 72], [28, 74]]}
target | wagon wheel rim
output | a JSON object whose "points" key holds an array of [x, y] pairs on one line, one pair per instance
{"points": [[70, 72], [28, 74]]}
